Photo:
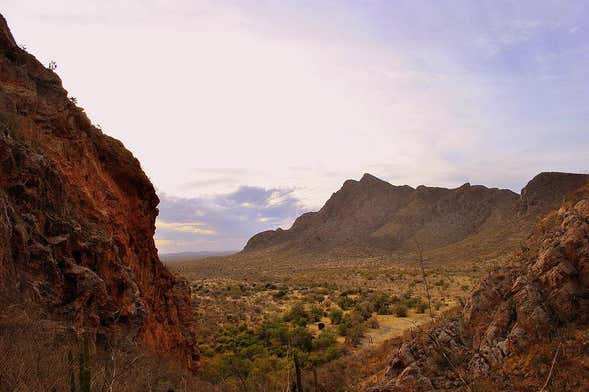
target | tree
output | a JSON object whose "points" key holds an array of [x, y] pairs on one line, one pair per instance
{"points": [[355, 334], [301, 338], [297, 315], [233, 365], [381, 303]]}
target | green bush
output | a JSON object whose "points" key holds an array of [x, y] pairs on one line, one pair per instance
{"points": [[355, 333], [364, 309], [297, 315], [400, 311], [315, 313], [336, 315], [381, 303], [345, 302], [349, 322], [301, 338], [324, 340]]}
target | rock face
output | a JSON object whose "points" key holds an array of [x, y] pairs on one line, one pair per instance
{"points": [[543, 290], [77, 217], [371, 216], [547, 190]]}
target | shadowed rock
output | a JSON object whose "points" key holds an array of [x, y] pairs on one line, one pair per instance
{"points": [[77, 218]]}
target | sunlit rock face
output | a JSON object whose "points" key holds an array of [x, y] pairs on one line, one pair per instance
{"points": [[77, 218]]}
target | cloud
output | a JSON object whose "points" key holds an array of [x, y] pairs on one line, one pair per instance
{"points": [[303, 95], [185, 227], [223, 221]]}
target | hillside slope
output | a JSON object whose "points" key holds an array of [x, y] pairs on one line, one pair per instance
{"points": [[521, 319], [373, 217], [77, 218]]}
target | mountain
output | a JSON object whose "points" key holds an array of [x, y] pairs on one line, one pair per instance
{"points": [[373, 217], [77, 219], [523, 321]]}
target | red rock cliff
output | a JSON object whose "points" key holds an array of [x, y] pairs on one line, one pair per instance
{"points": [[77, 217]]}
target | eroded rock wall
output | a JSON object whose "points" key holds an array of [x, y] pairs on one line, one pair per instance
{"points": [[77, 217]]}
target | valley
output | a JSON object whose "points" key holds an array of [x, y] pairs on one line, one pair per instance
{"points": [[384, 288], [383, 300], [327, 291]]}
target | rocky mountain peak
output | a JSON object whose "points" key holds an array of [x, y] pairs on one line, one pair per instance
{"points": [[6, 38], [370, 179], [371, 216]]}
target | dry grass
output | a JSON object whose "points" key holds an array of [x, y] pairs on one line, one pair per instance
{"points": [[36, 357], [247, 289]]}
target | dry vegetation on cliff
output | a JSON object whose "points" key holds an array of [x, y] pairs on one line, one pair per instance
{"points": [[44, 354]]}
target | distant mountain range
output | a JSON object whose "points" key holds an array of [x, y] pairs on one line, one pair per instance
{"points": [[185, 256], [373, 217]]}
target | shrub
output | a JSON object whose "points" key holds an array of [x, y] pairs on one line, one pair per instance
{"points": [[336, 315], [381, 303], [282, 293], [315, 313], [349, 321], [373, 323], [400, 311], [364, 309], [421, 308], [346, 302], [355, 333], [297, 315], [408, 301], [325, 339]]}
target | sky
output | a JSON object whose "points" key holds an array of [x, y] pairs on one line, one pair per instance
{"points": [[245, 114]]}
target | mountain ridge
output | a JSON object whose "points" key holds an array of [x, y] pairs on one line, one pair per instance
{"points": [[371, 216]]}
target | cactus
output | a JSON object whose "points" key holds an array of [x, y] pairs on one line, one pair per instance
{"points": [[72, 377], [84, 377]]}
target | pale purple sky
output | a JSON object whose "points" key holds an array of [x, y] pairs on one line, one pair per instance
{"points": [[245, 113]]}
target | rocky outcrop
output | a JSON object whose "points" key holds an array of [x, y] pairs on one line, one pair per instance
{"points": [[371, 216], [547, 190], [77, 217], [543, 290]]}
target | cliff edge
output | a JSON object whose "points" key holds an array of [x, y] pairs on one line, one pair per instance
{"points": [[77, 218]]}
